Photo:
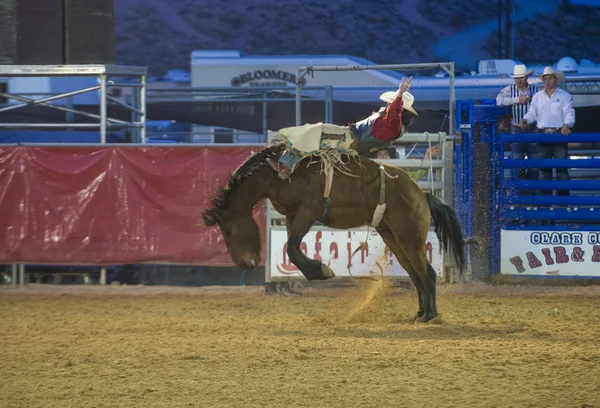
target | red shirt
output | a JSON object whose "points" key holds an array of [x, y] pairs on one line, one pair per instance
{"points": [[388, 126]]}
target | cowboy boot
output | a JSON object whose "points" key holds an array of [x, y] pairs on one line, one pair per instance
{"points": [[282, 170]]}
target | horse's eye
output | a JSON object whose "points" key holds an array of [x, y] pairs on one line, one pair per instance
{"points": [[228, 230]]}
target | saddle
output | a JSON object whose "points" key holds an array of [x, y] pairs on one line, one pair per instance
{"points": [[310, 138]]}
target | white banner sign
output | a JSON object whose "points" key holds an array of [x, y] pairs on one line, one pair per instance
{"points": [[563, 253], [335, 249]]}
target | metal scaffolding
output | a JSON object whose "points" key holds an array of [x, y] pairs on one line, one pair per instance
{"points": [[583, 84], [132, 77], [448, 67]]}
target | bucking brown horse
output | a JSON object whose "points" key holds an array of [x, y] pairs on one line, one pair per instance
{"points": [[354, 197]]}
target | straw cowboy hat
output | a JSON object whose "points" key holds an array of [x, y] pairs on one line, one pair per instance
{"points": [[407, 98], [520, 71], [549, 71]]}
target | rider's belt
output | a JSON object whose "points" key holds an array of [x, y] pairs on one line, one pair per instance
{"points": [[549, 130]]}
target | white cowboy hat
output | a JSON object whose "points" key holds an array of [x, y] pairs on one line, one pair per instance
{"points": [[549, 71], [520, 71], [407, 98]]}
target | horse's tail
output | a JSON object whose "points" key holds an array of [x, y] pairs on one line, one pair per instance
{"points": [[447, 229]]}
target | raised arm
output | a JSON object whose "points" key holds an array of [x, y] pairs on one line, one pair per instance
{"points": [[389, 125]]}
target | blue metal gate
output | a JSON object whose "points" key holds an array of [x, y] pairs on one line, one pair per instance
{"points": [[516, 205]]}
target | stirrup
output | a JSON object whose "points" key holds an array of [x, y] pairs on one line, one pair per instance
{"points": [[282, 170]]}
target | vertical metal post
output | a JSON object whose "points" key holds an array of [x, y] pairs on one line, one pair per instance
{"points": [[103, 101], [507, 28], [103, 276], [22, 274], [268, 236], [268, 241], [495, 224], [450, 270], [497, 159], [135, 117], [298, 97], [512, 34], [328, 118], [481, 209], [500, 29], [265, 107], [143, 108], [329, 104], [69, 116], [452, 105], [447, 168], [13, 277]]}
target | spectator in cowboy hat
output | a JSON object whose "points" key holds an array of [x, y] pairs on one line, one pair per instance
{"points": [[518, 96], [552, 111]]}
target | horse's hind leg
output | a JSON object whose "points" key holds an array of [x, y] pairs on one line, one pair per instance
{"points": [[433, 280], [391, 242], [297, 229], [428, 277]]}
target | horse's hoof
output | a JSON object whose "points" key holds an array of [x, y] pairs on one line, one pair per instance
{"points": [[327, 272], [427, 317]]}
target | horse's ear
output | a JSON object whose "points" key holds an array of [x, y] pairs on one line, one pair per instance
{"points": [[210, 217]]}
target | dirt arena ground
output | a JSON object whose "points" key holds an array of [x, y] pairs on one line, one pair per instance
{"points": [[502, 346]]}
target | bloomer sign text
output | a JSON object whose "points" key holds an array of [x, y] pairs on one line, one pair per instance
{"points": [[563, 253], [336, 248], [266, 77]]}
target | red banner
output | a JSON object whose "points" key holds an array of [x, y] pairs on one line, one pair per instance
{"points": [[113, 205]]}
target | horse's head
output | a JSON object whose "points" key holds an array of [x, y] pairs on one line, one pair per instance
{"points": [[233, 203], [241, 236]]}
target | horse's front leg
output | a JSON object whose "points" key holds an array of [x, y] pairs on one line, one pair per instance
{"points": [[298, 227]]}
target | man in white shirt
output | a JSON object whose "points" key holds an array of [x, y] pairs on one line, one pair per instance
{"points": [[518, 96], [552, 110]]}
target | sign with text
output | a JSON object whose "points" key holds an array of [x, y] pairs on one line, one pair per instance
{"points": [[266, 77], [547, 253], [335, 248]]}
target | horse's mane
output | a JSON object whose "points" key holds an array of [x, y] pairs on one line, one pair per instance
{"points": [[221, 195]]}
